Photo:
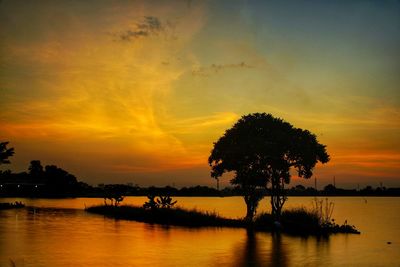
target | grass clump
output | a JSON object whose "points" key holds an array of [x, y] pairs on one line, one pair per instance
{"points": [[302, 221], [166, 216], [298, 221]]}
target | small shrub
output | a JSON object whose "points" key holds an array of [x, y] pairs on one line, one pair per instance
{"points": [[300, 221], [113, 194], [264, 221], [151, 202], [165, 202]]}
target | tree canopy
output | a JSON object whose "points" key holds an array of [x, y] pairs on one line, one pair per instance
{"points": [[5, 153], [261, 149]]}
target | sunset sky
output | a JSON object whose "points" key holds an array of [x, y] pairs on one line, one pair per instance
{"points": [[138, 91]]}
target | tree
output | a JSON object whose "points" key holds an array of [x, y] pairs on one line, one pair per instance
{"points": [[36, 170], [330, 189], [236, 152], [5, 153], [59, 178], [300, 188], [165, 202], [262, 149], [114, 193], [151, 203], [250, 182]]}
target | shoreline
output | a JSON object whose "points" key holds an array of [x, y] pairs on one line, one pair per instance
{"points": [[196, 219], [205, 196]]}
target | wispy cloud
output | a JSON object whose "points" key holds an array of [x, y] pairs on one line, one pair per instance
{"points": [[216, 68], [199, 124], [146, 27]]}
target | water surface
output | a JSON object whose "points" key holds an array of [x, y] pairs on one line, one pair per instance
{"points": [[61, 233]]}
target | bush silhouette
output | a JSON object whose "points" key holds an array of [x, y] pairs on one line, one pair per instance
{"points": [[5, 153]]}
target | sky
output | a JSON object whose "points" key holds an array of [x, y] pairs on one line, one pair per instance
{"points": [[138, 91]]}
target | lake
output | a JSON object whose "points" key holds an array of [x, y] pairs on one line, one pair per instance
{"points": [[60, 233]]}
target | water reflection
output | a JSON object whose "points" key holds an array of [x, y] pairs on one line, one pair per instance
{"points": [[274, 249], [279, 256], [261, 249], [322, 246], [248, 253], [71, 237]]}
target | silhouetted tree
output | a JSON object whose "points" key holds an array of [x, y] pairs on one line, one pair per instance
{"points": [[330, 189], [235, 152], [165, 202], [300, 187], [5, 153], [151, 202], [59, 180], [114, 193], [260, 149], [36, 170], [251, 183]]}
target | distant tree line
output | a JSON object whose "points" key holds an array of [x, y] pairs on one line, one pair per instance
{"points": [[331, 190], [39, 181], [52, 181], [298, 190]]}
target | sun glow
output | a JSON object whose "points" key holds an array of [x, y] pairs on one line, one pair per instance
{"points": [[136, 90]]}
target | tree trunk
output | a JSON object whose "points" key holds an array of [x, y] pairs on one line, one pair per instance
{"points": [[250, 209], [278, 197]]}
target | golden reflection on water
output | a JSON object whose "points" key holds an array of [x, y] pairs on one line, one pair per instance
{"points": [[261, 250], [67, 236]]}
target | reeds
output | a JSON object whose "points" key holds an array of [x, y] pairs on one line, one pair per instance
{"points": [[323, 210]]}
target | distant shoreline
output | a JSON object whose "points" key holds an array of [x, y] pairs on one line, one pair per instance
{"points": [[32, 190], [172, 195], [205, 196]]}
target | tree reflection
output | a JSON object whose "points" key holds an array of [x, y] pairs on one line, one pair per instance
{"points": [[278, 254], [254, 251], [322, 248], [250, 255]]}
